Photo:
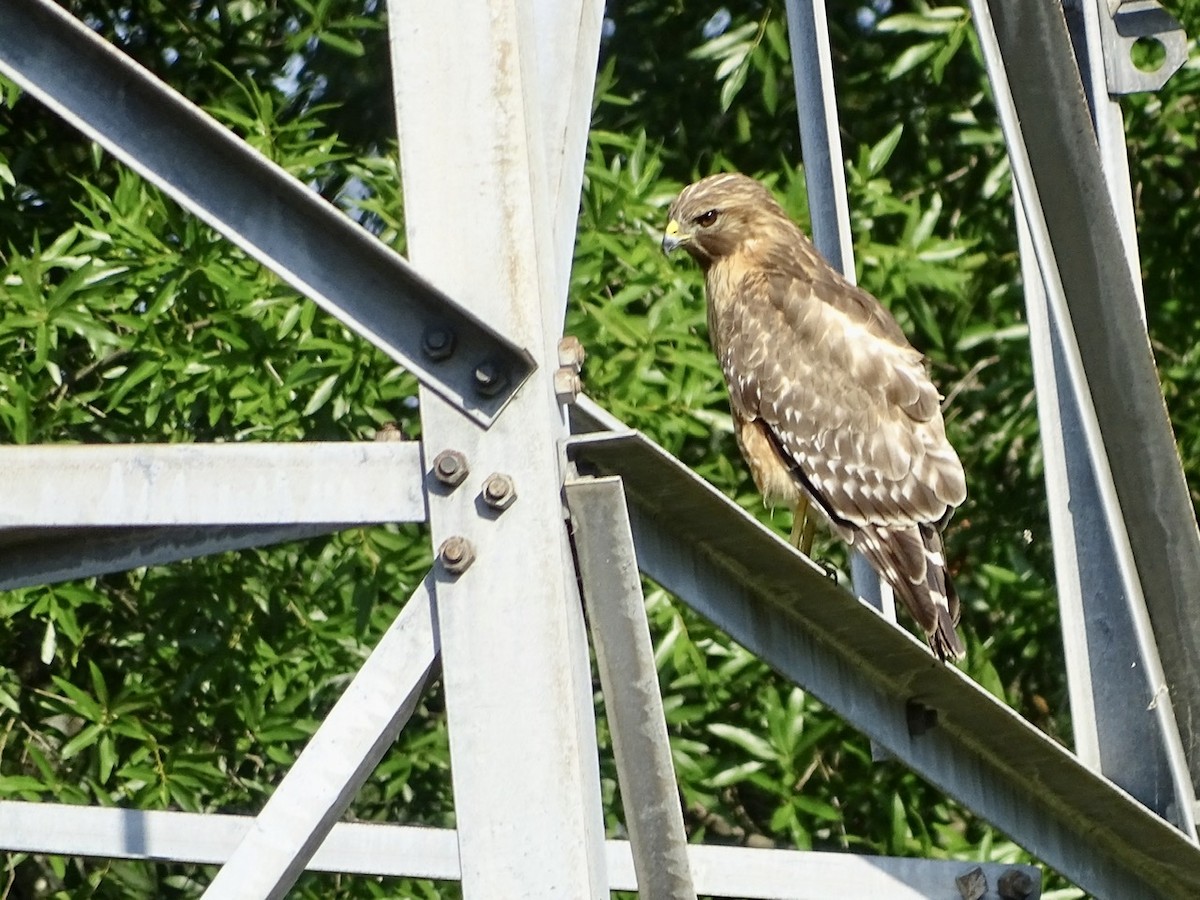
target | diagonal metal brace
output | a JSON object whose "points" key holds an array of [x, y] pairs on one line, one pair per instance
{"points": [[259, 207], [612, 590]]}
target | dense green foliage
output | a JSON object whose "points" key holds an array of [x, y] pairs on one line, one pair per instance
{"points": [[123, 319]]}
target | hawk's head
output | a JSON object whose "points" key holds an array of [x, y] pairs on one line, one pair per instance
{"points": [[711, 218]]}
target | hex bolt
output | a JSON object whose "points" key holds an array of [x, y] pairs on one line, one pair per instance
{"points": [[456, 554], [571, 353], [1014, 884], [489, 379], [437, 342], [450, 468], [567, 386], [499, 492], [972, 885], [389, 432]]}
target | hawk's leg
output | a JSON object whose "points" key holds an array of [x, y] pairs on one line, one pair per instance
{"points": [[804, 526]]}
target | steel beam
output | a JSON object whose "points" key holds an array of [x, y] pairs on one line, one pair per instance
{"points": [[49, 555], [883, 681], [568, 42], [406, 852], [339, 757], [514, 649], [258, 206], [820, 138], [1106, 356], [1117, 725], [130, 485], [612, 592], [829, 208]]}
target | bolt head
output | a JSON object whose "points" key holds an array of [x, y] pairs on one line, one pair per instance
{"points": [[571, 353], [450, 468], [1014, 884], [972, 885], [390, 431], [567, 386], [437, 342], [456, 554], [489, 379], [499, 492]]}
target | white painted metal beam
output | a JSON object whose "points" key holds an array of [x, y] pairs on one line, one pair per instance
{"points": [[406, 852], [612, 592], [351, 741], [53, 486], [567, 38], [514, 652], [258, 206]]}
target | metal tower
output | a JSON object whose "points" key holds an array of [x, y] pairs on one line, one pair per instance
{"points": [[502, 467]]}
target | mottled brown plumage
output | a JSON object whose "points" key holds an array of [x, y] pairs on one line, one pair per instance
{"points": [[830, 402]]}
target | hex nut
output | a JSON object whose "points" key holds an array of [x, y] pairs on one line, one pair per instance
{"points": [[1014, 884], [489, 379], [499, 492], [571, 353], [437, 342], [972, 885], [389, 432], [450, 468], [567, 386], [456, 554]]}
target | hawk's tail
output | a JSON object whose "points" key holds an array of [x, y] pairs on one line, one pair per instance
{"points": [[913, 562]]}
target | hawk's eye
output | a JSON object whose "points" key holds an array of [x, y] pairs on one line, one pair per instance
{"points": [[704, 220]]}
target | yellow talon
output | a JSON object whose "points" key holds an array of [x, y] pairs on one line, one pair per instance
{"points": [[804, 527]]}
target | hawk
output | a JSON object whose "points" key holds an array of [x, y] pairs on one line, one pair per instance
{"points": [[832, 407]]}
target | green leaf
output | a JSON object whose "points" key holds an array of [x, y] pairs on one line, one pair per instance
{"points": [[746, 739], [49, 644], [86, 738], [939, 21], [735, 774], [350, 46], [20, 784], [882, 151], [911, 58], [321, 395]]}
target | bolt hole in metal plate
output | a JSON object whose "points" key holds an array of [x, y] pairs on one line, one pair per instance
{"points": [[1147, 54], [1144, 45]]}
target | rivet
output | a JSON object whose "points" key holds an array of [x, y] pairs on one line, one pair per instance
{"points": [[499, 492], [450, 468], [437, 342], [456, 554]]}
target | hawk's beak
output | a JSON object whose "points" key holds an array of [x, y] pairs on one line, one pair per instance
{"points": [[673, 237]]}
